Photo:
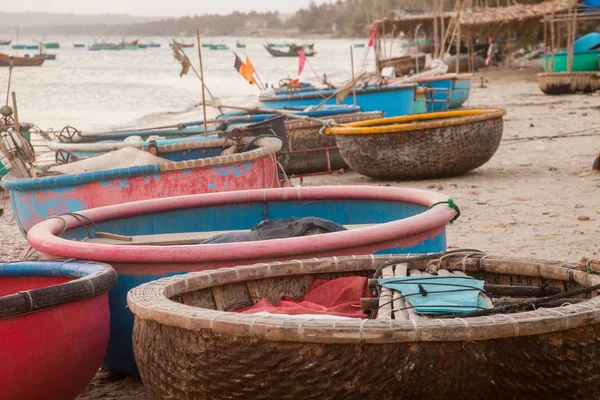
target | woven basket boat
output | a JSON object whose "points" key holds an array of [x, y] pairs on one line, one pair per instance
{"points": [[421, 146], [54, 327], [569, 83], [307, 151], [187, 347]]}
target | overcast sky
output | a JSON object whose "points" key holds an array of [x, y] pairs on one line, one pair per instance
{"points": [[154, 7]]}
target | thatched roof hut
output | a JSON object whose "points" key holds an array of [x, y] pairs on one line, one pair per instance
{"points": [[483, 21]]}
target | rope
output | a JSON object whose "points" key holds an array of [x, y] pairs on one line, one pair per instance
{"points": [[450, 204], [527, 304], [589, 269], [423, 257]]}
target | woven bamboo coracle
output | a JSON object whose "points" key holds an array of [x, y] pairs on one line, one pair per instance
{"points": [[187, 347], [303, 137], [556, 83], [422, 146]]}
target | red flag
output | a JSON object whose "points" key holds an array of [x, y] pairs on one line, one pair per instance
{"points": [[373, 35], [302, 61]]}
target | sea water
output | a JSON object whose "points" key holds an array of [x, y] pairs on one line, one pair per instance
{"points": [[106, 90]]}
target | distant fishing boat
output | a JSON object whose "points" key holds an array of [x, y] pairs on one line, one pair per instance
{"points": [[6, 60], [205, 45], [5, 42], [358, 45], [32, 46], [52, 45], [219, 47], [240, 45], [44, 55], [94, 47], [148, 45], [78, 45], [294, 51], [185, 45], [18, 47]]}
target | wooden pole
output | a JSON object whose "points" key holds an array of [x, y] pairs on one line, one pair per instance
{"points": [[553, 37], [443, 29], [573, 35], [436, 33], [16, 112], [352, 66], [202, 78], [458, 49]]}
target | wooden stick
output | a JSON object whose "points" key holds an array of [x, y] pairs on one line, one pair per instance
{"points": [[15, 112], [400, 270], [386, 297], [202, 78], [352, 66], [260, 110]]}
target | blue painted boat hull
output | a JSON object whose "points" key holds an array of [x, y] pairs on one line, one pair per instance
{"points": [[439, 100], [395, 101], [460, 93]]}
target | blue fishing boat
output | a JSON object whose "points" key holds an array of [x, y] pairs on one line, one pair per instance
{"points": [[94, 47], [395, 100], [164, 237], [32, 47]]}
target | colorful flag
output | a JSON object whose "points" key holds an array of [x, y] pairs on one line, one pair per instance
{"points": [[246, 71], [373, 35], [302, 61], [250, 71]]}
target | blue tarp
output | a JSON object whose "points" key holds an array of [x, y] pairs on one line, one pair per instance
{"points": [[588, 42], [439, 294]]}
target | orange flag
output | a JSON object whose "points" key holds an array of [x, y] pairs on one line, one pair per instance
{"points": [[250, 71], [245, 70]]}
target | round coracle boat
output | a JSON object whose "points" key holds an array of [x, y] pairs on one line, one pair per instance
{"points": [[212, 165], [54, 327], [306, 150], [148, 240], [534, 334], [557, 83], [421, 146]]}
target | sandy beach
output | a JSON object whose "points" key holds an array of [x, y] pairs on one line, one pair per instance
{"points": [[536, 197]]}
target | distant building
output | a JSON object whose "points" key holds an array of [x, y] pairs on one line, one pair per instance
{"points": [[256, 25]]}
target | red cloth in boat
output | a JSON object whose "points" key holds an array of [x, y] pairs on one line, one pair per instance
{"points": [[338, 297]]}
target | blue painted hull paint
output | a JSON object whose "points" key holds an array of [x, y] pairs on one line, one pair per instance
{"points": [[442, 95], [244, 216], [395, 103], [460, 93]]}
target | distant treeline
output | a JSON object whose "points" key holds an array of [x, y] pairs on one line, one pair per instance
{"points": [[348, 18], [213, 24]]}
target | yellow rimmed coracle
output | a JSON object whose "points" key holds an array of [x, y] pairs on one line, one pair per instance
{"points": [[421, 146]]}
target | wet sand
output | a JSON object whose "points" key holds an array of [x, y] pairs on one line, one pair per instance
{"points": [[536, 198]]}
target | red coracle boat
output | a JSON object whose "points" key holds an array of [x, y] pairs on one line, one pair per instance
{"points": [[54, 327]]}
